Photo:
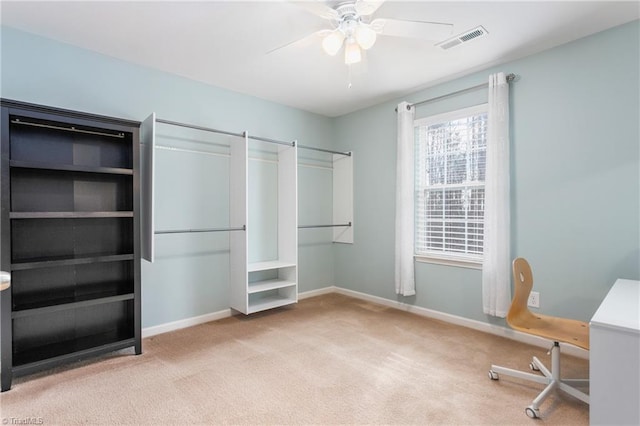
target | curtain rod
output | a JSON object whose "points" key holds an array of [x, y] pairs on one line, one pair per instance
{"points": [[510, 78]]}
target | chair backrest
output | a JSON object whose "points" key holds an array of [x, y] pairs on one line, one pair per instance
{"points": [[523, 282]]}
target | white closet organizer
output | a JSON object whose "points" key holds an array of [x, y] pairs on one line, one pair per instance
{"points": [[343, 197], [269, 283], [255, 286], [342, 174], [148, 145]]}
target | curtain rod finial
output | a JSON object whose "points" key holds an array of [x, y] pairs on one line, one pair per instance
{"points": [[408, 107]]}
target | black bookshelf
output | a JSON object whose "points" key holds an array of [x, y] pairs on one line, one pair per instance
{"points": [[70, 228]]}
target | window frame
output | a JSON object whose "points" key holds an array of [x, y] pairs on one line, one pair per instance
{"points": [[444, 258]]}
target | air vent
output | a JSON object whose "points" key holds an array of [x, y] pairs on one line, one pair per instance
{"points": [[462, 38]]}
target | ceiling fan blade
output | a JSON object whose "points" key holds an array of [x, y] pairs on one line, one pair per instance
{"points": [[302, 42], [318, 8], [435, 31], [367, 7]]}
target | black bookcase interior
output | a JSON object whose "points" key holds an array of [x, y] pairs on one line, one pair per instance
{"points": [[70, 237]]}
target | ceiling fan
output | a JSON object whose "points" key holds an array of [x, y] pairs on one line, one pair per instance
{"points": [[354, 28]]}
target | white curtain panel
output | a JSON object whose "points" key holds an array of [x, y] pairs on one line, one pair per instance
{"points": [[404, 269], [496, 267]]}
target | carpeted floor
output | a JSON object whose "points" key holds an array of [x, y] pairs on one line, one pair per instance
{"points": [[330, 359]]}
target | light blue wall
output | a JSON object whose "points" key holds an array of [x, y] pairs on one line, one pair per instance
{"points": [[191, 274], [575, 173], [575, 180]]}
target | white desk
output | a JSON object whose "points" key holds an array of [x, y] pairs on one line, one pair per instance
{"points": [[614, 357]]}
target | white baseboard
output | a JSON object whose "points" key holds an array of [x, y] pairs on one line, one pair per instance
{"points": [[466, 322], [429, 313], [184, 323], [317, 292], [225, 313]]}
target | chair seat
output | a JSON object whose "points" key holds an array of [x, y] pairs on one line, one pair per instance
{"points": [[553, 328]]}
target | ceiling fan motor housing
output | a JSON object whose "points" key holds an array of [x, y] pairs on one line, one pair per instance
{"points": [[348, 19]]}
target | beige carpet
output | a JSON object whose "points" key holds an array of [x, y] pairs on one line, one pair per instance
{"points": [[330, 359]]}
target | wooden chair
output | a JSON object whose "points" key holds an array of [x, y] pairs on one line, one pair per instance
{"points": [[552, 328]]}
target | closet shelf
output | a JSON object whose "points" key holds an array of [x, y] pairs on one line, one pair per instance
{"points": [[69, 215], [66, 303], [259, 286], [269, 265], [70, 167], [270, 303], [68, 260]]}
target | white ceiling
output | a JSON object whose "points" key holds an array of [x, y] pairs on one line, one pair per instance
{"points": [[224, 43]]}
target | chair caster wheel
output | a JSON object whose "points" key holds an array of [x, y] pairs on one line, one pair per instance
{"points": [[533, 366], [493, 375], [532, 412]]}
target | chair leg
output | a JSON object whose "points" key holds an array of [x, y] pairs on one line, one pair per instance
{"points": [[541, 367], [519, 374], [576, 382], [543, 395], [550, 378], [574, 392]]}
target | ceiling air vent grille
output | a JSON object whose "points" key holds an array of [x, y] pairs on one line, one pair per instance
{"points": [[462, 38]]}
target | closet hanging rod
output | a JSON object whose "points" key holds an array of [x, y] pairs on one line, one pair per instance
{"points": [[258, 138], [324, 226], [224, 132], [68, 129], [510, 78], [186, 231], [191, 126], [348, 154]]}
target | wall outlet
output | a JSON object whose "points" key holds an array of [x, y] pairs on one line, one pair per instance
{"points": [[534, 299]]}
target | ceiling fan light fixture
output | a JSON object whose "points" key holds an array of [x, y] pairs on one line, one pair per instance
{"points": [[365, 36], [352, 53], [333, 42]]}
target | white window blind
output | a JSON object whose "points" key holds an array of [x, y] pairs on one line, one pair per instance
{"points": [[450, 175]]}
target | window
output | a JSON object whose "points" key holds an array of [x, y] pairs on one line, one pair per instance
{"points": [[450, 173]]}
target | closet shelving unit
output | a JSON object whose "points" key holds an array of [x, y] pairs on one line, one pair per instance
{"points": [[255, 286], [148, 139], [342, 174], [267, 284], [343, 197], [69, 223]]}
